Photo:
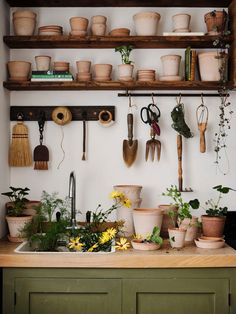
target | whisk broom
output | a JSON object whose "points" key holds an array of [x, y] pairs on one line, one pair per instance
{"points": [[20, 154]]}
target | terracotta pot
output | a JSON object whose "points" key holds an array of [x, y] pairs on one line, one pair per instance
{"points": [[19, 70], [213, 226], [145, 219], [126, 214], [120, 32], [98, 29], [79, 23], [209, 65], [167, 221], [191, 227], [83, 66], [131, 191], [177, 237], [43, 63], [103, 70], [146, 23], [24, 13], [16, 224], [30, 208], [125, 72], [100, 19], [215, 23], [24, 26], [181, 21], [144, 246], [61, 66], [170, 65]]}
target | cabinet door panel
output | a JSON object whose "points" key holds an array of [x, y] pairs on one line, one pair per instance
{"points": [[175, 296], [80, 296]]}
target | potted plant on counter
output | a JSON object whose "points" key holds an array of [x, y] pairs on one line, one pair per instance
{"points": [[126, 68], [16, 219], [187, 224], [152, 241], [214, 220]]}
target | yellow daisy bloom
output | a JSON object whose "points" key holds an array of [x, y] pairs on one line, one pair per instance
{"points": [[123, 244], [93, 247], [74, 244], [126, 202], [116, 194], [111, 232], [104, 238], [137, 236]]}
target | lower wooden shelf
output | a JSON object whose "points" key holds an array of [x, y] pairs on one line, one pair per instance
{"points": [[113, 85]]}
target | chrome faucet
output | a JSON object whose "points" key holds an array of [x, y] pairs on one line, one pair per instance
{"points": [[72, 192]]}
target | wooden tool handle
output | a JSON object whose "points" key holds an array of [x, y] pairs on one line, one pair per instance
{"points": [[202, 142], [180, 170], [130, 121]]}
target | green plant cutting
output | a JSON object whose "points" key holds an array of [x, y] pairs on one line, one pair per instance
{"points": [[125, 53], [154, 237], [17, 197]]}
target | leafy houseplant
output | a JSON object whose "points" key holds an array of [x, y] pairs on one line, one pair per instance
{"points": [[126, 68], [152, 241], [214, 220], [15, 217]]}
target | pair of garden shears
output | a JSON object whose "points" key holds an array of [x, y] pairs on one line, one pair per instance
{"points": [[150, 115]]}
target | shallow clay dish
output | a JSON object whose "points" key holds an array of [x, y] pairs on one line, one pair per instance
{"points": [[210, 245], [209, 239], [144, 246], [170, 78]]}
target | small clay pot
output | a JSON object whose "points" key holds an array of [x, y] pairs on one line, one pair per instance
{"points": [[146, 23], [24, 26], [19, 70], [215, 22], [103, 70], [100, 19], [144, 246], [79, 23], [120, 32], [170, 65], [98, 29], [61, 66], [83, 66], [181, 21], [213, 226], [43, 63], [125, 72], [177, 237]]}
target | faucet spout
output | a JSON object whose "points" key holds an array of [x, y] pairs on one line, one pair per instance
{"points": [[72, 196]]}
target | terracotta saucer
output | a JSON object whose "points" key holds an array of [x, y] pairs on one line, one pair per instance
{"points": [[209, 245], [144, 246]]}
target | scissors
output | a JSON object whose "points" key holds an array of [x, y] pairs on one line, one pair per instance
{"points": [[151, 115]]}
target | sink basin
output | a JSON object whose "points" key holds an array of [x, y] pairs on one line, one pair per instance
{"points": [[24, 248]]}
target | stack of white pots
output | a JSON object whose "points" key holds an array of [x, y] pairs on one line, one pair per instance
{"points": [[126, 214], [24, 22], [83, 68], [98, 27], [170, 66]]}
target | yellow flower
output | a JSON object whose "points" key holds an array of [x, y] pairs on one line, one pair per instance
{"points": [[126, 202], [105, 237], [93, 247], [116, 194], [123, 244], [74, 244], [137, 236], [111, 232]]}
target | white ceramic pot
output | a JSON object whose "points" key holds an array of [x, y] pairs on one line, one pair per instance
{"points": [[24, 26], [43, 63], [170, 65], [131, 191], [145, 219], [177, 237], [191, 227], [16, 224], [209, 66], [146, 23], [125, 71], [83, 66], [100, 19], [181, 21], [98, 29]]}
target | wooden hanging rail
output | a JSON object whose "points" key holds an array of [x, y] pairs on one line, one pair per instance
{"points": [[32, 113]]}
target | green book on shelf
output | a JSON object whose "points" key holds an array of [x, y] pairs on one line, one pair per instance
{"points": [[187, 63]]}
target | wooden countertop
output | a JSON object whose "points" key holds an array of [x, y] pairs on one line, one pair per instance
{"points": [[188, 257]]}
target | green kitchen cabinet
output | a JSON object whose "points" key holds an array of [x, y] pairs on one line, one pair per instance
{"points": [[119, 291]]}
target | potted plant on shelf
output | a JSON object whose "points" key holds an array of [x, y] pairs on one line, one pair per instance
{"points": [[16, 219], [126, 68], [214, 220], [152, 241], [187, 224]]}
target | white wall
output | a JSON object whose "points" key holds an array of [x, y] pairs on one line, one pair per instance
{"points": [[105, 166], [4, 115]]}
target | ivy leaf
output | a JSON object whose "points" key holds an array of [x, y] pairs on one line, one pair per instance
{"points": [[194, 203]]}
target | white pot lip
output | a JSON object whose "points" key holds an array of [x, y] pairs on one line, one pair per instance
{"points": [[143, 211], [213, 217], [127, 185], [147, 12], [177, 229], [40, 56], [165, 56], [179, 14], [208, 53], [78, 17]]}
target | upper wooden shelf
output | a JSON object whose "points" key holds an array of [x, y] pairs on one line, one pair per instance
{"points": [[119, 3], [67, 41], [113, 85]]}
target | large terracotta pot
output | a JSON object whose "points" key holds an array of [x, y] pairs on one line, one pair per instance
{"points": [[19, 70], [103, 70], [98, 19], [177, 237], [146, 23], [145, 219], [24, 23], [216, 22], [131, 191], [213, 226], [170, 65], [167, 221], [191, 227], [15, 225], [43, 63], [209, 65], [79, 23]]}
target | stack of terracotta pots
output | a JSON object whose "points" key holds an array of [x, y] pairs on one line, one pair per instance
{"points": [[61, 66], [102, 72], [50, 30], [19, 70], [79, 26], [126, 214], [171, 67], [83, 69], [146, 75], [24, 22], [98, 27]]}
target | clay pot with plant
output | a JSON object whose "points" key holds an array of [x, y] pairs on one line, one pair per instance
{"points": [[16, 218], [152, 242], [216, 21], [214, 221], [185, 219], [126, 68]]}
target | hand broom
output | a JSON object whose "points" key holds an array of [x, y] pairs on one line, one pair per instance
{"points": [[41, 153], [20, 154]]}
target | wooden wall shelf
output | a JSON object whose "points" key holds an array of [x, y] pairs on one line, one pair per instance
{"points": [[111, 42], [119, 3], [113, 85]]}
